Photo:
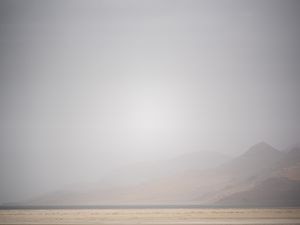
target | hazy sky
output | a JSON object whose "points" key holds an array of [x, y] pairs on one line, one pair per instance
{"points": [[89, 85]]}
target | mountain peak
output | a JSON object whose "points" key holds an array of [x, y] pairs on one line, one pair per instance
{"points": [[256, 159], [262, 148], [262, 144]]}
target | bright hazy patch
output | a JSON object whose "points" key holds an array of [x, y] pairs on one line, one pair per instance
{"points": [[88, 86]]}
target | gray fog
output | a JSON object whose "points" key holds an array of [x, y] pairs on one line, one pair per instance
{"points": [[87, 86]]}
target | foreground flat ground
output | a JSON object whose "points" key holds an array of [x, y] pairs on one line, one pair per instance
{"points": [[282, 216]]}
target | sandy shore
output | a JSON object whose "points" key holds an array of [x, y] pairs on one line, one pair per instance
{"points": [[151, 216]]}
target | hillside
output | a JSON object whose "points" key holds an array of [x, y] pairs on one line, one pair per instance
{"points": [[140, 182], [273, 192], [196, 178], [279, 185]]}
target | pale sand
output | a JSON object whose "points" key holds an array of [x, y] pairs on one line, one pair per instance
{"points": [[152, 216]]}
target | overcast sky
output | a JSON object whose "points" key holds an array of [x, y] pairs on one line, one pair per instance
{"points": [[86, 86]]}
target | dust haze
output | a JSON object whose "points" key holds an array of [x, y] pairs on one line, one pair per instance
{"points": [[90, 86]]}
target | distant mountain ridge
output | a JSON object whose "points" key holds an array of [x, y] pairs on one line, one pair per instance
{"points": [[190, 179], [278, 184], [275, 191]]}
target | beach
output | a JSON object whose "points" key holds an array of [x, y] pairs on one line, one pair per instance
{"points": [[150, 216]]}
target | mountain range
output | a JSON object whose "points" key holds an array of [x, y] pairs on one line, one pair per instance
{"points": [[262, 176]]}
